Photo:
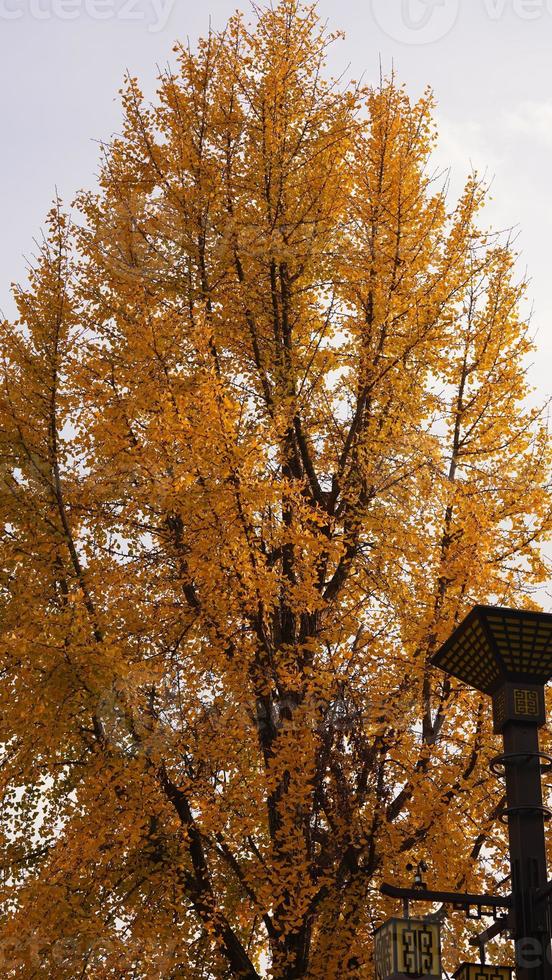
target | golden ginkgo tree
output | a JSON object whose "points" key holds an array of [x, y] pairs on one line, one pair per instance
{"points": [[265, 437]]}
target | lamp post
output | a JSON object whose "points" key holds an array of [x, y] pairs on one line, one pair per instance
{"points": [[507, 654]]}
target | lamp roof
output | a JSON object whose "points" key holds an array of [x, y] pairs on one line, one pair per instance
{"points": [[494, 644]]}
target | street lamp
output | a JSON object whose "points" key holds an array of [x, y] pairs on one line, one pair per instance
{"points": [[507, 654], [494, 647], [478, 971], [407, 948]]}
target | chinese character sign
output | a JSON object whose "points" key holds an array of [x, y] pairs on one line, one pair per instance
{"points": [[408, 947]]}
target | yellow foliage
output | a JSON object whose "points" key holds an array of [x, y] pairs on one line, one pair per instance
{"points": [[265, 439]]}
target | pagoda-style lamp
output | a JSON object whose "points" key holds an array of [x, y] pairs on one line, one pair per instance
{"points": [[507, 654], [478, 971], [407, 948]]}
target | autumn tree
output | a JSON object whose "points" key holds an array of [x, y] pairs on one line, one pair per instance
{"points": [[265, 436]]}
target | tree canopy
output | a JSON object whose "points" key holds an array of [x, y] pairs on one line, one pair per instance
{"points": [[265, 438]]}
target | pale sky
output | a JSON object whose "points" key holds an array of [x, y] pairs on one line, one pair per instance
{"points": [[489, 63]]}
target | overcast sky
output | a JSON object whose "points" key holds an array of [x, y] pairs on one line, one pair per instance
{"points": [[62, 61]]}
